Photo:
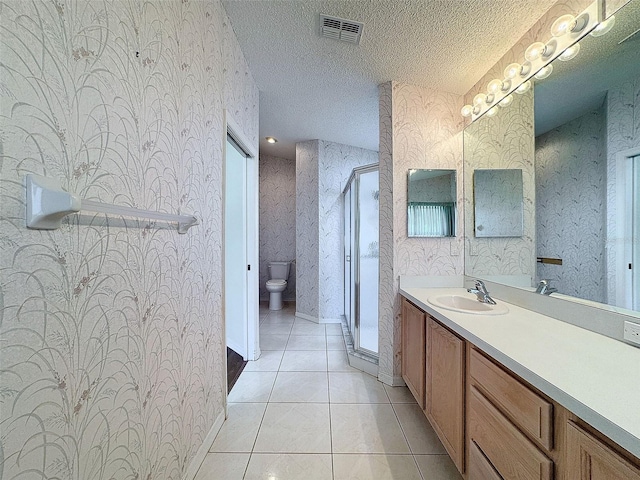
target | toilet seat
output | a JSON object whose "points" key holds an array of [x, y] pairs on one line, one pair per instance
{"points": [[276, 283]]}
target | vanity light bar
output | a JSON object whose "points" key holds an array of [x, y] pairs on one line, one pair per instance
{"points": [[567, 31]]}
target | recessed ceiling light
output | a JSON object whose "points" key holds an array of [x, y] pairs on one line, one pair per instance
{"points": [[271, 139]]}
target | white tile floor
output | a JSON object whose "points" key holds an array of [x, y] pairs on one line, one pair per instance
{"points": [[301, 412]]}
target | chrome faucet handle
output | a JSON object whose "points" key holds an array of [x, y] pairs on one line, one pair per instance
{"points": [[481, 292], [481, 286], [544, 287]]}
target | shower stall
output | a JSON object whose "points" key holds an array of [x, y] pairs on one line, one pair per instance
{"points": [[361, 261]]}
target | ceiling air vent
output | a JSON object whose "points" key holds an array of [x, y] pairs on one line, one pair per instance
{"points": [[340, 29]]}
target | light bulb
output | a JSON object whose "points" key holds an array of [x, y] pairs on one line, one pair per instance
{"points": [[490, 98], [494, 86], [604, 27], [544, 72], [492, 112], [506, 101], [512, 70], [271, 139], [523, 88], [570, 53], [534, 51], [525, 69], [479, 99], [581, 22], [506, 85], [466, 111], [563, 25], [549, 48]]}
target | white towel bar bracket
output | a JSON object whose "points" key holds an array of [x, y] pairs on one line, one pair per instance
{"points": [[48, 204]]}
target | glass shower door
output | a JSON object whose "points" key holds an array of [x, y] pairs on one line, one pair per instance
{"points": [[361, 258]]}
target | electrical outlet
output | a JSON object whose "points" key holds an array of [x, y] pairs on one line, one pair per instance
{"points": [[632, 332]]}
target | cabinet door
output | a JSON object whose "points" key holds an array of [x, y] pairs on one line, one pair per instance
{"points": [[590, 459], [413, 349], [445, 388]]}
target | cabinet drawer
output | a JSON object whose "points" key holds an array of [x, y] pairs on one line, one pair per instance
{"points": [[512, 454], [532, 413]]}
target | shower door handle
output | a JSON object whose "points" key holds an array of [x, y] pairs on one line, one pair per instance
{"points": [[348, 258]]}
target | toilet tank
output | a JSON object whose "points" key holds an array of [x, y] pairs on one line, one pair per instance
{"points": [[279, 270]]}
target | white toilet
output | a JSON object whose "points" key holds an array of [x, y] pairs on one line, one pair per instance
{"points": [[278, 274]]}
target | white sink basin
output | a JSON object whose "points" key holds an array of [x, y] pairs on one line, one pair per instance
{"points": [[459, 303]]}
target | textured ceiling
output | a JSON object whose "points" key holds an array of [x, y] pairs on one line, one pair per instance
{"points": [[317, 88]]}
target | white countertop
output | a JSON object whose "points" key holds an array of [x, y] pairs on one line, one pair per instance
{"points": [[593, 376]]}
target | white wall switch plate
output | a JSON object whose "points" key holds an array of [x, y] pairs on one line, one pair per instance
{"points": [[632, 332]]}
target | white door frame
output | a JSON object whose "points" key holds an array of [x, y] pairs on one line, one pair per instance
{"points": [[233, 129], [623, 235]]}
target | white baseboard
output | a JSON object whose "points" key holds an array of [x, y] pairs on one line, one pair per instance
{"points": [[197, 460], [330, 320], [393, 381], [304, 316], [363, 365]]}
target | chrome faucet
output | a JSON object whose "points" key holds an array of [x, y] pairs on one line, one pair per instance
{"points": [[481, 292], [544, 288]]}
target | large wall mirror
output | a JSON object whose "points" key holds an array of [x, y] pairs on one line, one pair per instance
{"points": [[586, 157], [431, 203]]}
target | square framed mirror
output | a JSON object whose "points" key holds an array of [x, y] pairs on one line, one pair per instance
{"points": [[431, 203]]}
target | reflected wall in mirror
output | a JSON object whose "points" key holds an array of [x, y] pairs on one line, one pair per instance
{"points": [[587, 136], [498, 202], [504, 141], [431, 203]]}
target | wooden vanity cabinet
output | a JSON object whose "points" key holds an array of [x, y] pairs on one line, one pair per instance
{"points": [[445, 388], [413, 350], [493, 424], [589, 458]]}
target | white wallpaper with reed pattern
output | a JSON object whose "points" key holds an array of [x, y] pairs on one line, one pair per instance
{"points": [[277, 220], [571, 205], [307, 247], [419, 128], [112, 331]]}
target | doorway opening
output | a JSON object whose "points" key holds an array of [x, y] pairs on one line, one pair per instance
{"points": [[632, 232], [628, 231], [240, 292]]}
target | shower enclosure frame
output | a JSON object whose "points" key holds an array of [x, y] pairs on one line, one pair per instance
{"points": [[351, 260]]}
